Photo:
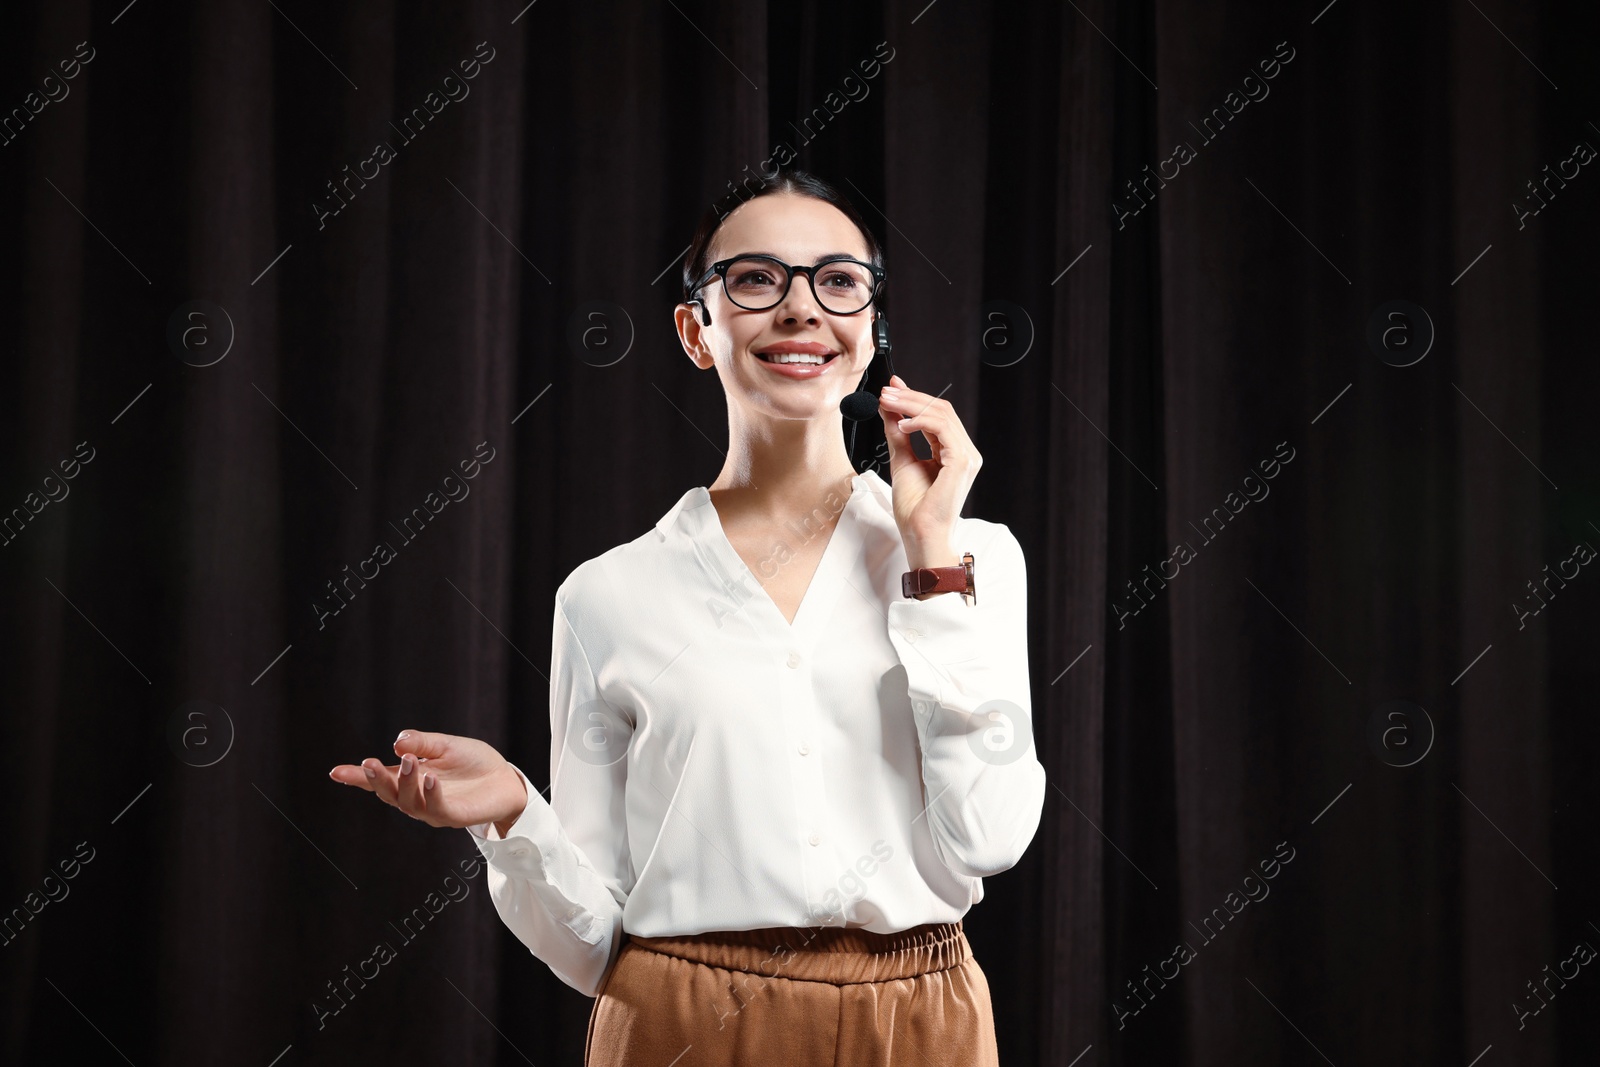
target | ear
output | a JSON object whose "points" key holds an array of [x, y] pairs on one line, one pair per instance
{"points": [[691, 336]]}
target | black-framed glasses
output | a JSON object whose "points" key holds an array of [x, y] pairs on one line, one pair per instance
{"points": [[841, 285]]}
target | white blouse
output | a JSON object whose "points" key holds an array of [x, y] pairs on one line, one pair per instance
{"points": [[714, 767]]}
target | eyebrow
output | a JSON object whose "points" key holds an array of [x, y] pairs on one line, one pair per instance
{"points": [[774, 255]]}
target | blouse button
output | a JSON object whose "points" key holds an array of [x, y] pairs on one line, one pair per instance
{"points": [[815, 838], [805, 749], [794, 659], [912, 634]]}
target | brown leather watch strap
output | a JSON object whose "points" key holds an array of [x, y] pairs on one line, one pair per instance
{"points": [[957, 579]]}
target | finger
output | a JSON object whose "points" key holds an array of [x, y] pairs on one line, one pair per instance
{"points": [[350, 774], [888, 410], [422, 744], [367, 775], [900, 450], [413, 794], [427, 795], [418, 786], [911, 413], [383, 780], [946, 434], [410, 787], [910, 401], [932, 424], [895, 408], [934, 427]]}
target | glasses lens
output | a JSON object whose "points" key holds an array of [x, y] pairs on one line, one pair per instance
{"points": [[756, 283], [843, 288]]}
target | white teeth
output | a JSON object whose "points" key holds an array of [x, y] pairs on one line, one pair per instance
{"points": [[794, 357]]}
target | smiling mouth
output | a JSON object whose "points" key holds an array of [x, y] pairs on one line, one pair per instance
{"points": [[796, 359]]}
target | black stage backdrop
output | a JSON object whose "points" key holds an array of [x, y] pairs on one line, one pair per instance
{"points": [[1269, 322]]}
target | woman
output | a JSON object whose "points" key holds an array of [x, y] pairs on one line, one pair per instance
{"points": [[779, 770]]}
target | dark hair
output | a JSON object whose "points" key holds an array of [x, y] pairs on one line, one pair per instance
{"points": [[798, 182]]}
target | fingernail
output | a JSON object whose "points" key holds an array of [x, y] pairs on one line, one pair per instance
{"points": [[406, 763], [427, 781], [370, 772], [403, 735], [330, 775]]}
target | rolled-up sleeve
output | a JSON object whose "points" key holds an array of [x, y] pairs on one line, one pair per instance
{"points": [[967, 672], [559, 879]]}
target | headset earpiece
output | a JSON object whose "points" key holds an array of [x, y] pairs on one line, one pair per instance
{"points": [[880, 335]]}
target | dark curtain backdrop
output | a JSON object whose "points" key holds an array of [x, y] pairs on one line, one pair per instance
{"points": [[1130, 367]]}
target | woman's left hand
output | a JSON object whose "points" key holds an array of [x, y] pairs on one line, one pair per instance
{"points": [[928, 493]]}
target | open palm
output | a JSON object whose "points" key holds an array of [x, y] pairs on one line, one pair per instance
{"points": [[442, 780]]}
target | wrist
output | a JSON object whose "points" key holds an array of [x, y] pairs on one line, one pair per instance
{"points": [[924, 554], [929, 548], [503, 825]]}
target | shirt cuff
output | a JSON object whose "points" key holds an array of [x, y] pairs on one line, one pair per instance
{"points": [[944, 629], [533, 834]]}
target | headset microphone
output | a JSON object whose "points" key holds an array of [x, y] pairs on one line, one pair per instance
{"points": [[862, 405]]}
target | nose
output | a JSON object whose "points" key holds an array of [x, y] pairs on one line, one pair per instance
{"points": [[799, 302]]}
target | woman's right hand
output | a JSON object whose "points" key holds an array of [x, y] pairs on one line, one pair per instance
{"points": [[443, 780]]}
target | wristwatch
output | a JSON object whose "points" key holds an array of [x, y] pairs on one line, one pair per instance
{"points": [[957, 579]]}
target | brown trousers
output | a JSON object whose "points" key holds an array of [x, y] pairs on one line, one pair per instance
{"points": [[799, 997]]}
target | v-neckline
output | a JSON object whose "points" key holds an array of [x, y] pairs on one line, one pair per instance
{"points": [[822, 579]]}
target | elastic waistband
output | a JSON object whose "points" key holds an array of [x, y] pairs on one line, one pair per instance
{"points": [[831, 954]]}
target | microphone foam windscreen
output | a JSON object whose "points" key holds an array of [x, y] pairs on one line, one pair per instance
{"points": [[859, 406]]}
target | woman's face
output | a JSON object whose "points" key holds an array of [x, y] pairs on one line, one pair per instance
{"points": [[799, 230]]}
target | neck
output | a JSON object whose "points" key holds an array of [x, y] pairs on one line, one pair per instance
{"points": [[786, 468]]}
